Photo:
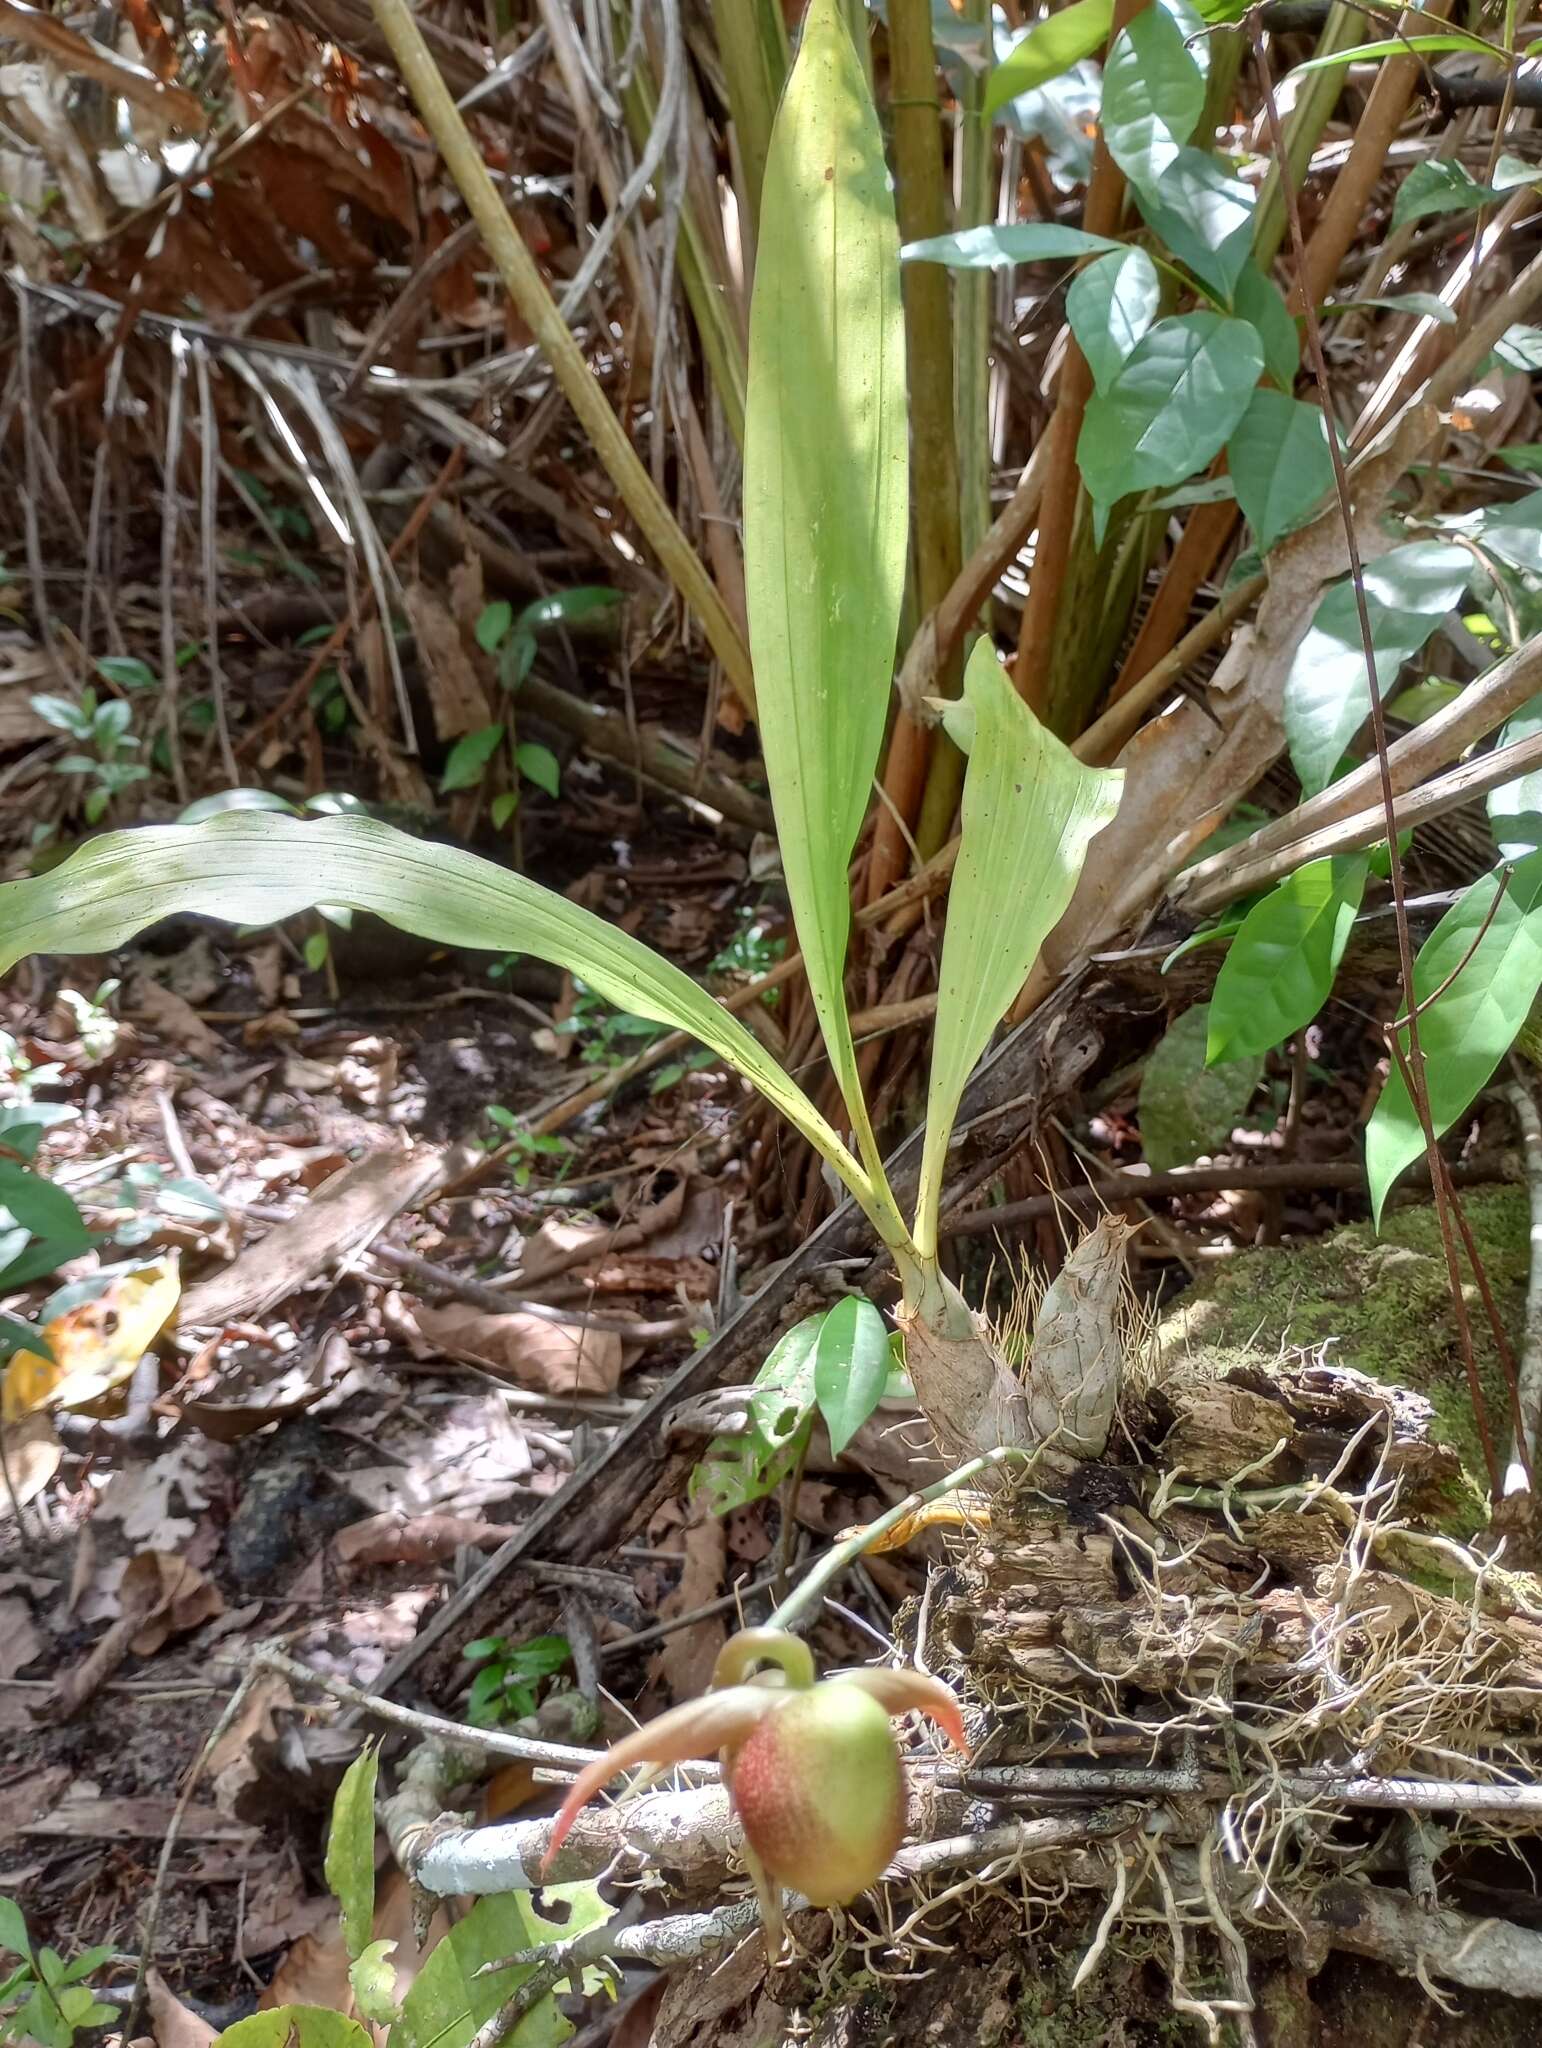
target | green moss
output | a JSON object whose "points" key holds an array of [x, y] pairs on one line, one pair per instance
{"points": [[1379, 1304]]}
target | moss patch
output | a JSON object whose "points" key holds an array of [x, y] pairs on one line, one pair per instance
{"points": [[1379, 1304]]}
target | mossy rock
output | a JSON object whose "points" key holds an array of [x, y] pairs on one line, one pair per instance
{"points": [[1377, 1303]]}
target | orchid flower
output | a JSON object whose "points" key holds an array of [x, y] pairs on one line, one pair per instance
{"points": [[812, 1766]]}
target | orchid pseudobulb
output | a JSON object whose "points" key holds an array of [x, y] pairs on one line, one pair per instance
{"points": [[812, 1767]]}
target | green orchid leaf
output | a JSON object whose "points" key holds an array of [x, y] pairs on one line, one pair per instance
{"points": [[826, 497], [1030, 811], [259, 867]]}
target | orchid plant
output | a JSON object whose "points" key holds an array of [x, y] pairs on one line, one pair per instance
{"points": [[812, 1766], [826, 520]]}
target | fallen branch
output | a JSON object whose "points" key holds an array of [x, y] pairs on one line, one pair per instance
{"points": [[1369, 827], [1138, 1185], [1480, 709]]}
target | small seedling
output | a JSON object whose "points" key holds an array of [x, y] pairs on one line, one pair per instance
{"points": [[507, 1686], [45, 1999]]}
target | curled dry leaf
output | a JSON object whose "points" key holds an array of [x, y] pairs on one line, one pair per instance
{"points": [[173, 2024], [416, 1539], [551, 1358], [161, 1596]]}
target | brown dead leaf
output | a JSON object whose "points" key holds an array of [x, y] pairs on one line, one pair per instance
{"points": [[315, 1972], [455, 688], [33, 1454], [173, 2024], [231, 1766], [31, 1797], [280, 1908], [83, 1813], [161, 1596], [170, 1017], [551, 1358], [419, 1539], [19, 1639], [252, 1387], [685, 1662]]}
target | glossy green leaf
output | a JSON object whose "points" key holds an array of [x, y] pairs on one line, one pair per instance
{"points": [[127, 671], [1153, 91], [1171, 409], [1030, 811], [46, 1210], [1258, 300], [735, 1470], [1468, 1029], [1280, 968], [1187, 1108], [1110, 305], [1062, 39], [585, 605], [13, 1929], [1515, 808], [255, 868], [1327, 696], [991, 248], [1520, 348], [350, 1862], [1426, 305], [295, 2026], [1439, 185], [1204, 213], [851, 1367], [493, 623], [469, 758], [1280, 464], [826, 494], [449, 2000], [538, 764], [1052, 46]]}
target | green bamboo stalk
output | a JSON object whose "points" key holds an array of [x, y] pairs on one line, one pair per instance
{"points": [[752, 42], [972, 293], [922, 206], [527, 288]]}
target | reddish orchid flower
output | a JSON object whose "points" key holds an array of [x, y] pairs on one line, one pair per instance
{"points": [[812, 1766]]}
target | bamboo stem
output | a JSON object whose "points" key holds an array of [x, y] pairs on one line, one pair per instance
{"points": [[924, 773], [527, 288]]}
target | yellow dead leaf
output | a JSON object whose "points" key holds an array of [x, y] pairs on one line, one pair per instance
{"points": [[95, 1346]]}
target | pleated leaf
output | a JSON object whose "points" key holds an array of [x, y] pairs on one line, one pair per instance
{"points": [[256, 867], [1030, 812], [825, 491]]}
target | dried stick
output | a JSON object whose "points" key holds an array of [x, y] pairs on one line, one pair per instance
{"points": [[1364, 828], [527, 288], [1482, 707], [1445, 1199], [1518, 1474], [1113, 1191]]}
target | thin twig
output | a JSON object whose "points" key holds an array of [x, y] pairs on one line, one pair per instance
{"points": [[1444, 1196]]}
